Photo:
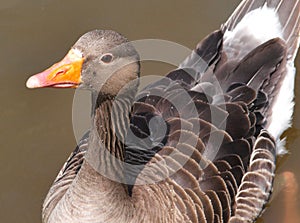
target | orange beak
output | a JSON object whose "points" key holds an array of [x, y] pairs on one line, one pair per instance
{"points": [[64, 74]]}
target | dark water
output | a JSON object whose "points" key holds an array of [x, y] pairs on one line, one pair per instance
{"points": [[36, 125]]}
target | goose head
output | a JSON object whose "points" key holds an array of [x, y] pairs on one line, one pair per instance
{"points": [[101, 61]]}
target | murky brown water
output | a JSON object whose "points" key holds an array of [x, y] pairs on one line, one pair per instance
{"points": [[36, 125]]}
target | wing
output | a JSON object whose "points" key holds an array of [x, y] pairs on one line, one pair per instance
{"points": [[206, 128], [206, 134]]}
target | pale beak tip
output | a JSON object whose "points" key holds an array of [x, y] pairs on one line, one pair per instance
{"points": [[32, 82]]}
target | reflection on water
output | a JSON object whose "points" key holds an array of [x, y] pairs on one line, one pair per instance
{"points": [[36, 125]]}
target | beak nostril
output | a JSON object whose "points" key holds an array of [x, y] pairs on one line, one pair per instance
{"points": [[60, 72]]}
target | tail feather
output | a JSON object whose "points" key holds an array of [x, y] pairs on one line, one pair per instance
{"points": [[287, 13], [289, 16], [239, 13]]}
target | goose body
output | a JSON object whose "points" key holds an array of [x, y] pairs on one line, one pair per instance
{"points": [[198, 145]]}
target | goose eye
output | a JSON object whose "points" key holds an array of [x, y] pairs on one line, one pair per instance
{"points": [[107, 58]]}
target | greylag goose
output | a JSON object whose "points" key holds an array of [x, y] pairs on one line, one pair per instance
{"points": [[198, 145]]}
